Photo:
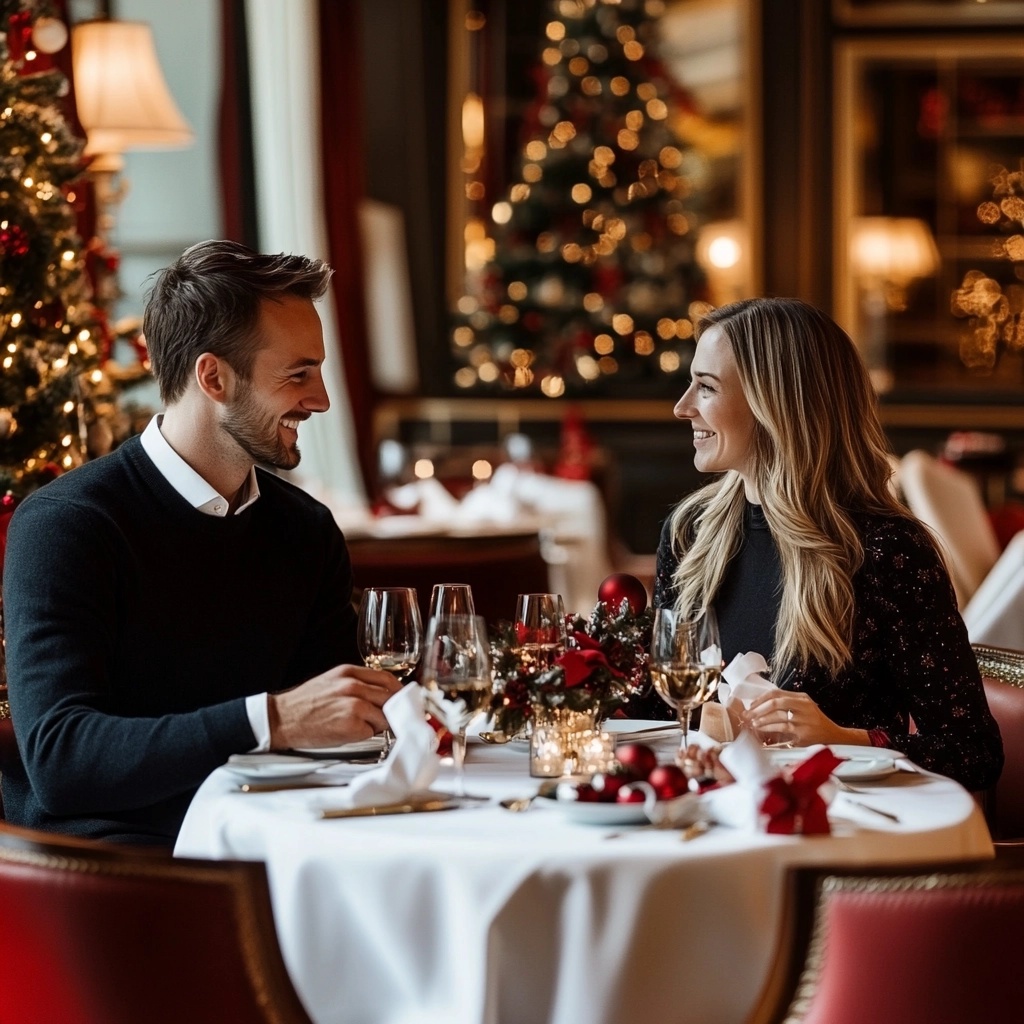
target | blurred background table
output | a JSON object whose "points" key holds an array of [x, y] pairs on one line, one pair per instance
{"points": [[497, 565]]}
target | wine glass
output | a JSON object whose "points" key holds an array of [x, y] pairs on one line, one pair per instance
{"points": [[540, 629], [451, 599], [390, 635], [685, 662], [457, 665]]}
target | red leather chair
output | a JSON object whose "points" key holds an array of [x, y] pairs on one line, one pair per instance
{"points": [[1002, 672], [95, 933], [930, 944]]}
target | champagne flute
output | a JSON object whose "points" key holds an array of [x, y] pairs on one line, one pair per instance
{"points": [[685, 662], [540, 629], [390, 635], [451, 599], [457, 665]]}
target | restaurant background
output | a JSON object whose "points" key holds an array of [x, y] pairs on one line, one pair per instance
{"points": [[808, 148]]}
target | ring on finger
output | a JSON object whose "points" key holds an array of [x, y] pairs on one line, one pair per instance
{"points": [[789, 714]]}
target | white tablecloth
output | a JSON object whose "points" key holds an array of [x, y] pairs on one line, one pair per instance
{"points": [[482, 916]]}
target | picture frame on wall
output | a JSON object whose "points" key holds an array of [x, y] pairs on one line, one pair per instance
{"points": [[937, 13]]}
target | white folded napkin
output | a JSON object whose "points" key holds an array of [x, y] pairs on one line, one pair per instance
{"points": [[411, 766], [738, 804], [742, 679]]}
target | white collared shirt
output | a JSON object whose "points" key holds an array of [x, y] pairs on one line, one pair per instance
{"points": [[202, 496]]}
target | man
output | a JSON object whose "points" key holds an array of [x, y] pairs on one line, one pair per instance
{"points": [[154, 597]]}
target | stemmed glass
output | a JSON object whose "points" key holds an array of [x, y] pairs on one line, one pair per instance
{"points": [[451, 599], [685, 662], [457, 665], [390, 635], [540, 629]]}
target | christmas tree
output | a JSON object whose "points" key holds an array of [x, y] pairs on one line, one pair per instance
{"points": [[54, 390], [583, 275]]}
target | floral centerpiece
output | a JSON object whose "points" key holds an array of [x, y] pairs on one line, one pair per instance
{"points": [[603, 666]]}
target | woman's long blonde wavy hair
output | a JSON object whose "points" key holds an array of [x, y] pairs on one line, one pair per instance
{"points": [[819, 455]]}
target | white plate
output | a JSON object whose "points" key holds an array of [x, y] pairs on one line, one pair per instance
{"points": [[359, 748], [263, 767], [859, 763], [587, 813]]}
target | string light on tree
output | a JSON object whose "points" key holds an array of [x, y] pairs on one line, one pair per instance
{"points": [[52, 378], [586, 262]]}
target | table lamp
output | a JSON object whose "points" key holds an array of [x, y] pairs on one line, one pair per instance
{"points": [[123, 103], [887, 254]]}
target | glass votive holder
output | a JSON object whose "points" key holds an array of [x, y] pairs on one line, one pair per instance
{"points": [[597, 752], [564, 742]]}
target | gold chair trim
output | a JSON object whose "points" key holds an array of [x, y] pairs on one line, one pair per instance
{"points": [[1000, 663]]}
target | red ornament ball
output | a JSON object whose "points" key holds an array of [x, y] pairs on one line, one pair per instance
{"points": [[637, 760], [621, 586], [13, 240], [668, 781]]}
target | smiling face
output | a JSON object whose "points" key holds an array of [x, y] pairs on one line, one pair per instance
{"points": [[714, 403], [285, 387]]}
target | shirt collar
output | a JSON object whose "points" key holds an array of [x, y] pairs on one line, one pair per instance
{"points": [[186, 481]]}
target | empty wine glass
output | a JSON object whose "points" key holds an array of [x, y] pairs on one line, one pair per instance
{"points": [[540, 632], [457, 666], [390, 635], [685, 662], [451, 599]]}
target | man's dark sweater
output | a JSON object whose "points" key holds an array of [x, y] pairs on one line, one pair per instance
{"points": [[137, 625]]}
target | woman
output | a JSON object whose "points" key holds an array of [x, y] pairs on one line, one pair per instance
{"points": [[806, 555]]}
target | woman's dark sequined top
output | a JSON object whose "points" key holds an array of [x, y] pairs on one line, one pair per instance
{"points": [[911, 656]]}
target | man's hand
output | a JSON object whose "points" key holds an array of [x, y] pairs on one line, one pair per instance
{"points": [[340, 706]]}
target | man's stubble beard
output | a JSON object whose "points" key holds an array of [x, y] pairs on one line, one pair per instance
{"points": [[258, 435]]}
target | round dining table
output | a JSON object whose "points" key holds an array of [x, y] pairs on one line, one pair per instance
{"points": [[486, 916]]}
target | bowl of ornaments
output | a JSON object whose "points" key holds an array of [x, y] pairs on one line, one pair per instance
{"points": [[636, 791]]}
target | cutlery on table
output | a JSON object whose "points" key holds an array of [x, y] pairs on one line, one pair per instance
{"points": [[274, 787], [406, 807], [874, 810], [517, 803]]}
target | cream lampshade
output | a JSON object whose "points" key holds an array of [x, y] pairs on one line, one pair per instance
{"points": [[893, 250], [123, 100]]}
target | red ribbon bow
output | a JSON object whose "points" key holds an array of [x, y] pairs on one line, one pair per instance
{"points": [[793, 804], [579, 666]]}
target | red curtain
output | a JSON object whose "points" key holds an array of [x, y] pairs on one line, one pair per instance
{"points": [[234, 136], [342, 153]]}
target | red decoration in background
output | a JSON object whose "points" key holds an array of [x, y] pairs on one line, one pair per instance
{"points": [[7, 505], [619, 587], [576, 449], [19, 35], [14, 241]]}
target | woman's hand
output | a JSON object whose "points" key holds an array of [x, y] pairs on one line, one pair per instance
{"points": [[703, 763], [784, 716]]}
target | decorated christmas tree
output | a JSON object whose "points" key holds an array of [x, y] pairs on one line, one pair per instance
{"points": [[583, 275], [55, 392]]}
